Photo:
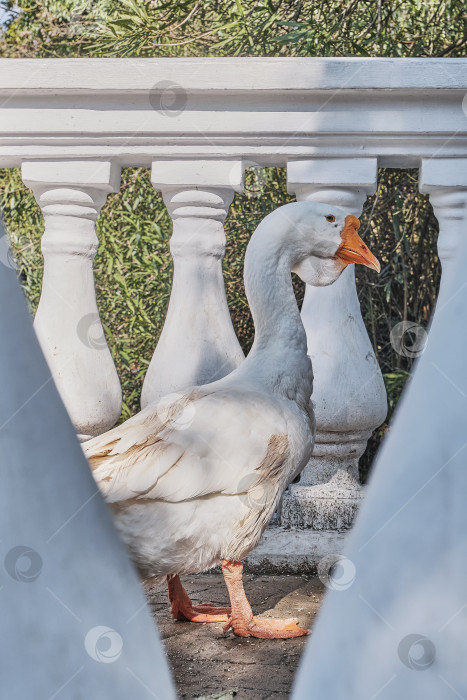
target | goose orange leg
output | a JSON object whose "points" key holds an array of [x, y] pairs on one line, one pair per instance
{"points": [[242, 621], [183, 609]]}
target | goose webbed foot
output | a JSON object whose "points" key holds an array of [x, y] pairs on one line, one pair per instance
{"points": [[183, 609], [266, 628], [242, 621]]}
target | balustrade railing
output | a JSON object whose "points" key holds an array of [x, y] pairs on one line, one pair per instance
{"points": [[73, 124]]}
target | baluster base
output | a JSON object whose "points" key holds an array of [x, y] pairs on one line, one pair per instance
{"points": [[282, 550], [329, 506], [329, 492]]}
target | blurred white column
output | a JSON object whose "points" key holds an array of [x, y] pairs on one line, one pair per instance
{"points": [[75, 623], [349, 393], [393, 624], [198, 343], [70, 195]]}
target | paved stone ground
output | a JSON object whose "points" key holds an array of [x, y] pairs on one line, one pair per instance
{"points": [[207, 663]]}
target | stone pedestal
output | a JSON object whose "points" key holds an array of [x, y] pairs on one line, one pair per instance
{"points": [[331, 505], [290, 551]]}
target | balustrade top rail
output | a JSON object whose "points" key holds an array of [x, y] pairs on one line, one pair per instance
{"points": [[201, 74], [267, 109]]}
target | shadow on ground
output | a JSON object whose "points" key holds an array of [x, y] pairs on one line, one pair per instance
{"points": [[206, 662]]}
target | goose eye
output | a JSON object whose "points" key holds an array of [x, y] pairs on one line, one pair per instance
{"points": [[330, 217]]}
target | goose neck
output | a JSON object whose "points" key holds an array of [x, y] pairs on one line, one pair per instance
{"points": [[279, 352]]}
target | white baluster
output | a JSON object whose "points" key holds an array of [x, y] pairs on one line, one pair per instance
{"points": [[396, 614], [74, 619], [67, 323], [445, 180], [198, 343], [348, 393]]}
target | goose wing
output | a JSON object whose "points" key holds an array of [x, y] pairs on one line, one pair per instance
{"points": [[224, 442]]}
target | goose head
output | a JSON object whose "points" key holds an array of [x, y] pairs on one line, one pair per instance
{"points": [[323, 240]]}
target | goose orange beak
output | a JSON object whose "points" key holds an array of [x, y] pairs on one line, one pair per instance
{"points": [[352, 249]]}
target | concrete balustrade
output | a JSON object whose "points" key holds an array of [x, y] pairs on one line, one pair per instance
{"points": [[73, 124]]}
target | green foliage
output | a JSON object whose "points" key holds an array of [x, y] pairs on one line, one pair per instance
{"points": [[395, 382], [54, 28], [133, 266], [25, 225], [237, 28], [265, 28]]}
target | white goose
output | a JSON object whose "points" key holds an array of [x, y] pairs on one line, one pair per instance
{"points": [[193, 480]]}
